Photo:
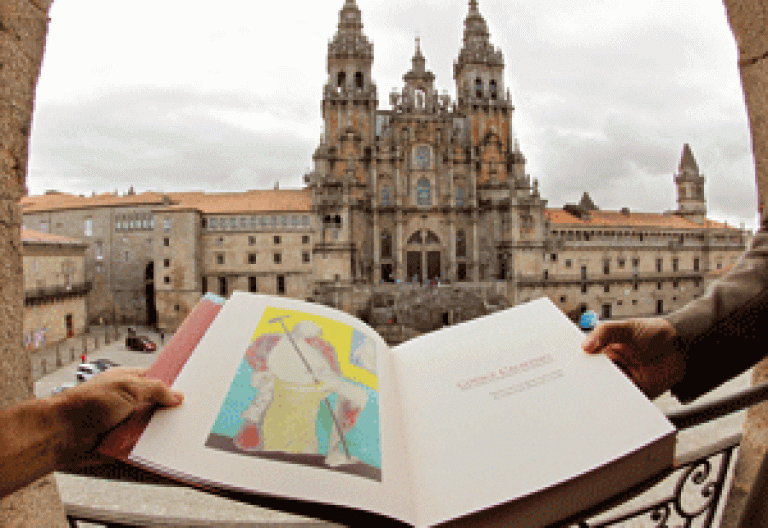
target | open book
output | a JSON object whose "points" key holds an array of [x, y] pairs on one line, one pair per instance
{"points": [[502, 420]]}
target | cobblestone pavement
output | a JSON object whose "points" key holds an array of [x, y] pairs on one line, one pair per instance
{"points": [[188, 503]]}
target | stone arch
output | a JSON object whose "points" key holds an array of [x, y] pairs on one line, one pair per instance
{"points": [[26, 21]]}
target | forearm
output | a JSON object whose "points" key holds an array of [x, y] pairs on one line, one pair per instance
{"points": [[731, 317], [32, 439]]}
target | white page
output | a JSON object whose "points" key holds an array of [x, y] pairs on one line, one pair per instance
{"points": [[176, 438], [508, 404]]}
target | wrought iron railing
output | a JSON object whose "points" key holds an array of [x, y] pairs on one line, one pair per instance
{"points": [[688, 494]]}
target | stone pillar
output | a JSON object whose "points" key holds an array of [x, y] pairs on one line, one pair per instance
{"points": [[23, 27], [749, 22]]}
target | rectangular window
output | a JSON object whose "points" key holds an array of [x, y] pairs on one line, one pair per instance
{"points": [[659, 265], [583, 273], [553, 257], [167, 224], [305, 239], [280, 284], [167, 263], [675, 264], [252, 285], [219, 258], [568, 263], [607, 288], [251, 258], [166, 242], [620, 263], [277, 239], [87, 227], [45, 226], [278, 258], [243, 223], [251, 240], [223, 286], [696, 264], [98, 250], [305, 256], [167, 280], [233, 223], [606, 267], [213, 223]]}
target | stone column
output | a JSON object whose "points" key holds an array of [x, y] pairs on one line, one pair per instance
{"points": [[23, 27], [749, 22]]}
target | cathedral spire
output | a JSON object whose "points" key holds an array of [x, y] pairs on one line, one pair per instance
{"points": [[477, 48], [687, 161], [419, 76], [349, 40]]}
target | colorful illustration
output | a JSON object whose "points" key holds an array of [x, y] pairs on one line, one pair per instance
{"points": [[307, 393]]}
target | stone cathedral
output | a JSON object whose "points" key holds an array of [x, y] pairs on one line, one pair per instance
{"points": [[433, 188], [430, 189]]}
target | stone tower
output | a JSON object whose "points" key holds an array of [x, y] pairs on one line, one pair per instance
{"points": [[343, 158], [690, 188]]}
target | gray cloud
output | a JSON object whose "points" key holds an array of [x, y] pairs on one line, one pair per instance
{"points": [[604, 102]]}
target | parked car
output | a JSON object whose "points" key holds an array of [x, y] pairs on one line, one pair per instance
{"points": [[86, 371], [140, 343]]}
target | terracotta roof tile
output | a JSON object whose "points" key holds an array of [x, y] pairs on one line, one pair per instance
{"points": [[298, 200], [619, 219], [29, 236]]}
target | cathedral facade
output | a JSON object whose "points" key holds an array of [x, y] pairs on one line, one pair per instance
{"points": [[432, 188]]}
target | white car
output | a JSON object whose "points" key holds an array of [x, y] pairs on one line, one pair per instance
{"points": [[86, 371]]}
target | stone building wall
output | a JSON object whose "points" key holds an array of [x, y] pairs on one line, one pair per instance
{"points": [[23, 27]]}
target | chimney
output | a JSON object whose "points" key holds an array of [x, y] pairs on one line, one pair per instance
{"points": [[277, 185], [625, 211]]}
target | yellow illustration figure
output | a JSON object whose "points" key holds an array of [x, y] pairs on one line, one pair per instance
{"points": [[295, 372]]}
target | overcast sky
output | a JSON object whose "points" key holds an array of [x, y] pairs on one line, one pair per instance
{"points": [[171, 95]]}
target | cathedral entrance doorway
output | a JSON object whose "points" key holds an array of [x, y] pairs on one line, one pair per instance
{"points": [[423, 257]]}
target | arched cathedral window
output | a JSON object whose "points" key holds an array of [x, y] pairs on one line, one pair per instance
{"points": [[416, 238], [460, 196], [461, 243], [359, 80], [479, 87], [386, 245], [423, 192], [341, 79], [432, 238], [385, 196], [494, 90]]}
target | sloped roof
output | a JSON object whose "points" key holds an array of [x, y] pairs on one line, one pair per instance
{"points": [[297, 200], [29, 236], [617, 219]]}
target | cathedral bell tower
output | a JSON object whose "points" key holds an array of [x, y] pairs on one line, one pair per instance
{"points": [[691, 202], [344, 157], [479, 76]]}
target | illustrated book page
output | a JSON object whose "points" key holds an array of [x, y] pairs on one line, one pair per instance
{"points": [[287, 398], [508, 405]]}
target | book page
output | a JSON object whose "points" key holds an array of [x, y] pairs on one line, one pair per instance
{"points": [[291, 399], [509, 404]]}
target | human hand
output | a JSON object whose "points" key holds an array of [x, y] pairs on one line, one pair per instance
{"points": [[644, 349], [88, 411]]}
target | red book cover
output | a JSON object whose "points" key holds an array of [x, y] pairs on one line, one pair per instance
{"points": [[120, 441]]}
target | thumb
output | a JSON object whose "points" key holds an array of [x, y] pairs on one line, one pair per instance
{"points": [[605, 334], [158, 392]]}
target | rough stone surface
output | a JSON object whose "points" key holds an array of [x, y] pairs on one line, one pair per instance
{"points": [[749, 22], [23, 26]]}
